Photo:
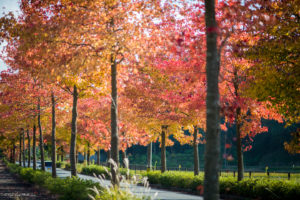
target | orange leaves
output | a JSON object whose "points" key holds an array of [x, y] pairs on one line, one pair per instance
{"points": [[223, 127]]}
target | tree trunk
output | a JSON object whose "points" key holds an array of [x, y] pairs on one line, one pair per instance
{"points": [[53, 136], [33, 146], [212, 147], [88, 154], [239, 146], [76, 155], [20, 147], [10, 156], [73, 133], [57, 154], [238, 128], [14, 153], [23, 152], [123, 157], [88, 157], [84, 157], [29, 156], [114, 120], [163, 149], [41, 137], [149, 156], [62, 154], [98, 156], [196, 153]]}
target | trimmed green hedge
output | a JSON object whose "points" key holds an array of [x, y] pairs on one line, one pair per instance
{"points": [[60, 164], [70, 188], [253, 188], [91, 169], [78, 167], [97, 169]]}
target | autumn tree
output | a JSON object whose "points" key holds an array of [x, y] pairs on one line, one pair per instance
{"points": [[275, 55]]}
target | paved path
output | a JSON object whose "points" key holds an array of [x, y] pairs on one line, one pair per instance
{"points": [[11, 188], [138, 190]]}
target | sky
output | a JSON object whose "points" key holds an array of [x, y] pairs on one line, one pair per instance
{"points": [[5, 7]]}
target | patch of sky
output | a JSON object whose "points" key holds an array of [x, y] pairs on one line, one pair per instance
{"points": [[7, 6]]}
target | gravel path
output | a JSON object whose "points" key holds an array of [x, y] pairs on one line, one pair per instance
{"points": [[11, 188]]}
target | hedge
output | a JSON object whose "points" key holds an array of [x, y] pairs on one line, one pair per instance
{"points": [[253, 188], [70, 188], [60, 164], [96, 169]]}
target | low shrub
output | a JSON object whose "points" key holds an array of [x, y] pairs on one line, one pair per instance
{"points": [[67, 166], [70, 188], [263, 188], [98, 170], [153, 176], [117, 194], [13, 168], [60, 164], [91, 169], [78, 167]]}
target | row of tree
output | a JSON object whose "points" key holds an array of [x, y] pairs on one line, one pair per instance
{"points": [[107, 74]]}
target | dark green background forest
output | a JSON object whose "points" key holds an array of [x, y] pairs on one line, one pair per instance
{"points": [[267, 150]]}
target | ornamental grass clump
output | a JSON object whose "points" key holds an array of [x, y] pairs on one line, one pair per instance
{"points": [[128, 184]]}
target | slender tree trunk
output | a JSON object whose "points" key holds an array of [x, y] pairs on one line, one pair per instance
{"points": [[88, 154], [10, 147], [98, 156], [10, 153], [238, 128], [53, 135], [239, 146], [34, 146], [76, 155], [23, 152], [114, 120], [163, 149], [73, 133], [14, 153], [196, 153], [123, 157], [20, 147], [149, 156], [57, 154], [212, 147], [62, 154], [29, 148], [41, 136]]}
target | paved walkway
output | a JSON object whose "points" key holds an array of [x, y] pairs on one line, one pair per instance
{"points": [[11, 188], [138, 190]]}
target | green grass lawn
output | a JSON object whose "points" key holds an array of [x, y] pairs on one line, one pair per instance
{"points": [[257, 175]]}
